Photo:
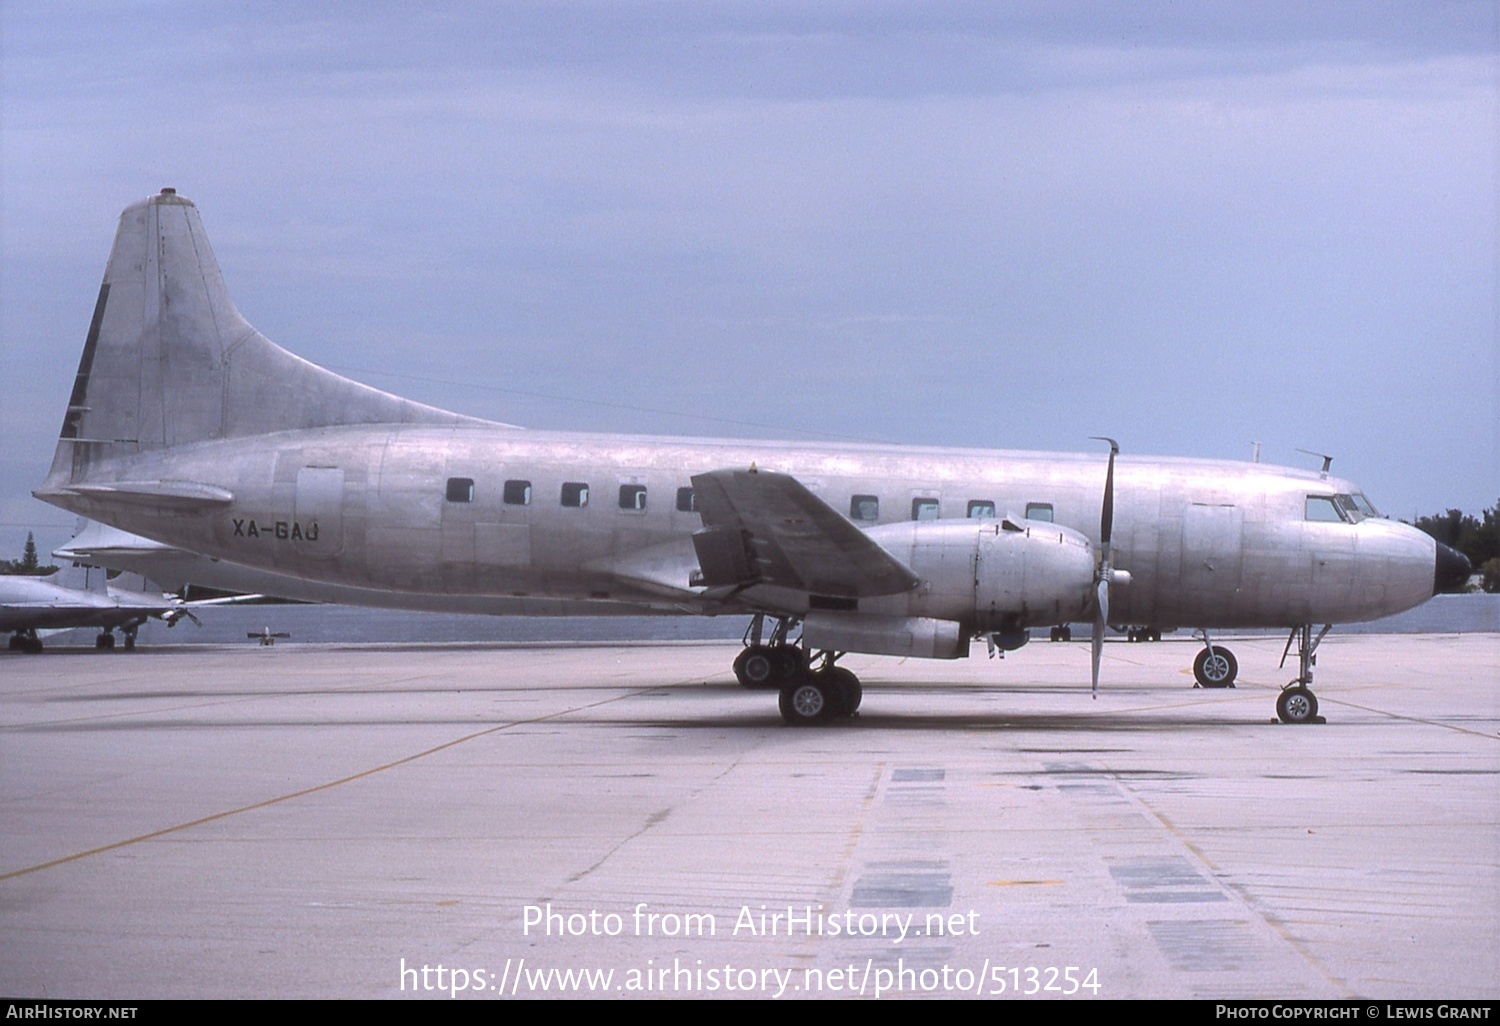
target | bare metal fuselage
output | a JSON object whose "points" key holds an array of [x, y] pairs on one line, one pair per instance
{"points": [[1206, 543]]}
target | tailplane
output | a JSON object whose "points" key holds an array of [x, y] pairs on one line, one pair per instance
{"points": [[169, 360]]}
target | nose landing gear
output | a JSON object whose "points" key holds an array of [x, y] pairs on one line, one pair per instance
{"points": [[1297, 703]]}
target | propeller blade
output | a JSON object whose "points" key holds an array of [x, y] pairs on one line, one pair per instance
{"points": [[1101, 621], [1106, 563], [1107, 511]]}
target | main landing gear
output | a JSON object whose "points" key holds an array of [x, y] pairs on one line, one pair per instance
{"points": [[768, 663], [815, 695], [106, 638], [812, 688], [1297, 703], [25, 640]]}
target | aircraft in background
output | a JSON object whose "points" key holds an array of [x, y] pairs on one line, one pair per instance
{"points": [[188, 426], [80, 597]]}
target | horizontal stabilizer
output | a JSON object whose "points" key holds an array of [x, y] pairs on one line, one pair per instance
{"points": [[175, 494]]}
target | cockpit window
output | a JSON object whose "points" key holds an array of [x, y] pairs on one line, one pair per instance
{"points": [[1323, 510], [1363, 505], [1350, 509]]}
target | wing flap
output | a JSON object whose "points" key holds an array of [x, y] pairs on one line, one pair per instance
{"points": [[763, 527]]}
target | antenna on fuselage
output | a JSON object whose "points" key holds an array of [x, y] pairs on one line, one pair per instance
{"points": [[1254, 452], [1327, 460]]}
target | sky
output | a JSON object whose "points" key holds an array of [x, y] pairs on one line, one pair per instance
{"points": [[1191, 227]]}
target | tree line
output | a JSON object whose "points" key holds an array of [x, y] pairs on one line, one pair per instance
{"points": [[28, 565]]}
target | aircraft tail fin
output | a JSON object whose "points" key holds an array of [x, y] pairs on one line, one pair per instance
{"points": [[169, 360]]}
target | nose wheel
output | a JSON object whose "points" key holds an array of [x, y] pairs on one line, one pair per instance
{"points": [[1215, 667], [1297, 704]]}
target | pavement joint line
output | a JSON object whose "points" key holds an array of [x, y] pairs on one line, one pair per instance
{"points": [[1216, 874]]}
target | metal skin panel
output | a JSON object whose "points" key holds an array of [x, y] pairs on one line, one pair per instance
{"points": [[233, 448]]}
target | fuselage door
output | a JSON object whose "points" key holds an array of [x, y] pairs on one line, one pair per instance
{"points": [[1212, 548]]}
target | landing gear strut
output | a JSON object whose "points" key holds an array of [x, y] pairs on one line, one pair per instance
{"points": [[1215, 666], [816, 695], [769, 663], [1297, 703]]}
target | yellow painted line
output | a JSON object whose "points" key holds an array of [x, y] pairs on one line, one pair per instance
{"points": [[306, 790], [1022, 883]]}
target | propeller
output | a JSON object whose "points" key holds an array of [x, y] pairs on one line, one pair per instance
{"points": [[1106, 573], [176, 613]]}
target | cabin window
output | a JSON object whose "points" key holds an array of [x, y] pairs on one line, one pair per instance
{"points": [[687, 501], [1321, 509], [575, 494], [981, 509], [924, 509], [633, 497], [460, 489], [865, 508], [517, 493], [1039, 511]]}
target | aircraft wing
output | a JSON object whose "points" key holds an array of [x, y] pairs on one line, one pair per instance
{"points": [[763, 527]]}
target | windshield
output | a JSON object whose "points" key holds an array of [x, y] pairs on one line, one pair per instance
{"points": [[1350, 508]]}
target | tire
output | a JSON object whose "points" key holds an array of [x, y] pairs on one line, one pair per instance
{"points": [[791, 659], [847, 688], [806, 701], [1217, 669], [757, 668], [1297, 705]]}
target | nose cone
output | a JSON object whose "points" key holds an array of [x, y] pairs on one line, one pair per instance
{"points": [[1451, 570]]}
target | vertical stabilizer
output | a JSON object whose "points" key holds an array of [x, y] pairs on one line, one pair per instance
{"points": [[169, 360]]}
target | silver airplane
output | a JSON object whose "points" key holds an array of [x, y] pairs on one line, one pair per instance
{"points": [[77, 597], [188, 426]]}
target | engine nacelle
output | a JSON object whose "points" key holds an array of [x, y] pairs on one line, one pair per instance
{"points": [[991, 575]]}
